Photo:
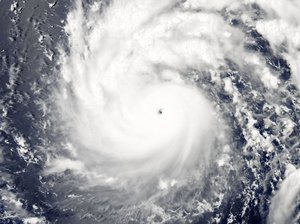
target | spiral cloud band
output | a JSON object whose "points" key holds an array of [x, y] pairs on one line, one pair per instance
{"points": [[147, 91], [129, 107], [148, 111]]}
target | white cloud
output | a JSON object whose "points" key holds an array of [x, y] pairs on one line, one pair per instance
{"points": [[284, 201]]}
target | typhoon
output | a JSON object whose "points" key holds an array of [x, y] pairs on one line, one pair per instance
{"points": [[124, 97], [148, 111]]}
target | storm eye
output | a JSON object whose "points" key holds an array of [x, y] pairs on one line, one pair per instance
{"points": [[160, 111]]}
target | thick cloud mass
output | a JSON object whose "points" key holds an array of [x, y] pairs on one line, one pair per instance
{"points": [[129, 94], [124, 95], [147, 111], [285, 200]]}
